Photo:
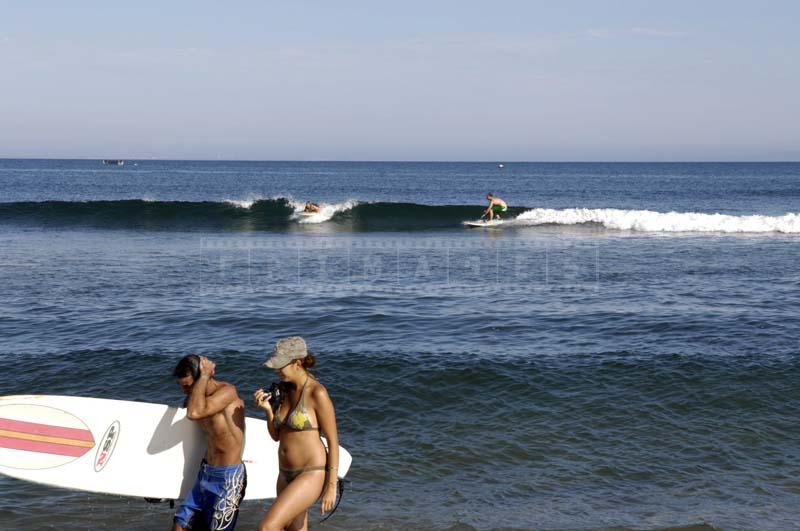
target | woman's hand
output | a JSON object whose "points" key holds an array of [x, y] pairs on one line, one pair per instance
{"points": [[328, 497], [261, 398]]}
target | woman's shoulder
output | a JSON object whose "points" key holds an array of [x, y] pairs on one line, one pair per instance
{"points": [[318, 391]]}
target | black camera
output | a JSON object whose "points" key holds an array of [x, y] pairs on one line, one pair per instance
{"points": [[276, 391]]}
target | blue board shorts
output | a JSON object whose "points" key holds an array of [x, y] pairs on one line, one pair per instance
{"points": [[214, 500]]}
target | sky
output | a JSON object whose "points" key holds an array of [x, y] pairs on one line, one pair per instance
{"points": [[451, 80]]}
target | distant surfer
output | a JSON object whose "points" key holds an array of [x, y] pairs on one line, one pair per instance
{"points": [[312, 208], [222, 478], [495, 208], [307, 471]]}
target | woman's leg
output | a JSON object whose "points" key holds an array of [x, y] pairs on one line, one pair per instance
{"points": [[293, 501], [280, 484], [300, 523]]}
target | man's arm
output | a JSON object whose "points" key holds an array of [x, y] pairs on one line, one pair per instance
{"points": [[201, 406], [489, 208]]}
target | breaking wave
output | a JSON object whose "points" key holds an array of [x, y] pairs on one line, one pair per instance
{"points": [[281, 213]]}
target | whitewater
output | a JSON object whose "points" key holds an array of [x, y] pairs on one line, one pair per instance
{"points": [[649, 221]]}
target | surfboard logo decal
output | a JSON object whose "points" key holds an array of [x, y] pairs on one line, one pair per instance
{"points": [[34, 437], [106, 447]]}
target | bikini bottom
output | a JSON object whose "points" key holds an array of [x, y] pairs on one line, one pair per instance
{"points": [[290, 474]]}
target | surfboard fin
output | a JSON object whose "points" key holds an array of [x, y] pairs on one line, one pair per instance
{"points": [[161, 500]]}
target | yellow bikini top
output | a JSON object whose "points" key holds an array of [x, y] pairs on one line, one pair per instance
{"points": [[298, 418]]}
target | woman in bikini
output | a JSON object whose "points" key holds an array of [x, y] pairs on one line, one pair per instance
{"points": [[307, 471]]}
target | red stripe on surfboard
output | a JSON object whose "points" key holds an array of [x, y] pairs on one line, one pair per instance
{"points": [[46, 429], [43, 447]]}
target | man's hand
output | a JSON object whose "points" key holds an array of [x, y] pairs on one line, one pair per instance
{"points": [[207, 367]]}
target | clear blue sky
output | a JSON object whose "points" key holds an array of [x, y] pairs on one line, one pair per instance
{"points": [[410, 80]]}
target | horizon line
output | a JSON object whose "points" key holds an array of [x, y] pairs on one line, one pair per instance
{"points": [[421, 161]]}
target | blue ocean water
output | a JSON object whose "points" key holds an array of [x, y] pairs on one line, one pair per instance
{"points": [[621, 353]]}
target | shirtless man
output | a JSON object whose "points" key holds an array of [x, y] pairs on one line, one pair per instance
{"points": [[496, 206], [312, 207], [214, 500]]}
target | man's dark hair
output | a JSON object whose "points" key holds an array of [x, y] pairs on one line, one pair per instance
{"points": [[188, 366]]}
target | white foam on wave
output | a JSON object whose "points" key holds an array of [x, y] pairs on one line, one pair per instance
{"points": [[326, 212], [649, 221], [242, 203]]}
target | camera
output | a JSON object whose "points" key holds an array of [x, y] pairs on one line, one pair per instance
{"points": [[276, 391]]}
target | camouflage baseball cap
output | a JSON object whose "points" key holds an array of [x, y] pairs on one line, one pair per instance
{"points": [[287, 350]]}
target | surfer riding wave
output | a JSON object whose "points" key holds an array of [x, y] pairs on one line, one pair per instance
{"points": [[495, 208]]}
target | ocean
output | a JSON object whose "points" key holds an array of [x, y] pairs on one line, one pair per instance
{"points": [[621, 353]]}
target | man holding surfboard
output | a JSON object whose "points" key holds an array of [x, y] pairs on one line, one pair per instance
{"points": [[222, 478]]}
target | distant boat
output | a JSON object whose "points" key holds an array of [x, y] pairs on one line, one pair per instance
{"points": [[113, 162], [500, 166]]}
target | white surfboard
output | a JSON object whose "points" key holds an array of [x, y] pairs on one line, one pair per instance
{"points": [[483, 223], [119, 447]]}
